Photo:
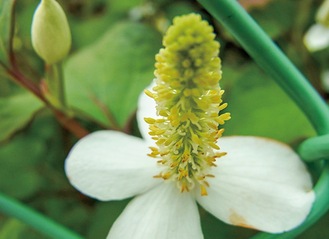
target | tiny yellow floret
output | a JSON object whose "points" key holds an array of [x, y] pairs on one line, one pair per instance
{"points": [[188, 99]]}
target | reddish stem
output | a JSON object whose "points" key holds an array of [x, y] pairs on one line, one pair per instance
{"points": [[26, 83], [66, 121], [70, 124]]}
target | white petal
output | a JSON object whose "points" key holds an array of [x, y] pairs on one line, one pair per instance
{"points": [[260, 184], [146, 108], [110, 165], [317, 37], [161, 213]]}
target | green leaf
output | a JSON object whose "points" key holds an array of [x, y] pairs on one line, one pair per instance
{"points": [[7, 87], [259, 107], [77, 215], [12, 229], [123, 5], [104, 216], [15, 229], [179, 8], [81, 30], [19, 158], [5, 25], [275, 18], [15, 112], [107, 77]]}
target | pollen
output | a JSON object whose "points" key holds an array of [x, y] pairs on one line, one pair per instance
{"points": [[188, 104]]}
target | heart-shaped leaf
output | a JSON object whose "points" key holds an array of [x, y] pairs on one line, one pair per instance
{"points": [[16, 111], [104, 80]]}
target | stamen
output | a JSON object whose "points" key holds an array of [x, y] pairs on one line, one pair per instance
{"points": [[189, 100], [203, 190]]}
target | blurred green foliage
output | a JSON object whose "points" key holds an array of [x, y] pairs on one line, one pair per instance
{"points": [[16, 112], [112, 60], [92, 73]]}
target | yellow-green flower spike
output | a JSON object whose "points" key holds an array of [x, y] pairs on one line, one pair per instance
{"points": [[189, 100]]}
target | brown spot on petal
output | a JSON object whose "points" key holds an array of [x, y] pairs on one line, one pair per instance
{"points": [[238, 220]]}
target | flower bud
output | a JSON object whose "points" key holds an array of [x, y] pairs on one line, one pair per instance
{"points": [[322, 16], [51, 37]]}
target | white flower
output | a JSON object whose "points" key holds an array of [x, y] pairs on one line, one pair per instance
{"points": [[259, 184], [317, 37]]}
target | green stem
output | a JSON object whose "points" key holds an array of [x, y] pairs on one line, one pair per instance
{"points": [[315, 148], [61, 87], [41, 223], [55, 85], [267, 55]]}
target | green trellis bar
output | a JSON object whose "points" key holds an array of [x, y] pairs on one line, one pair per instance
{"points": [[259, 46], [13, 208]]}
